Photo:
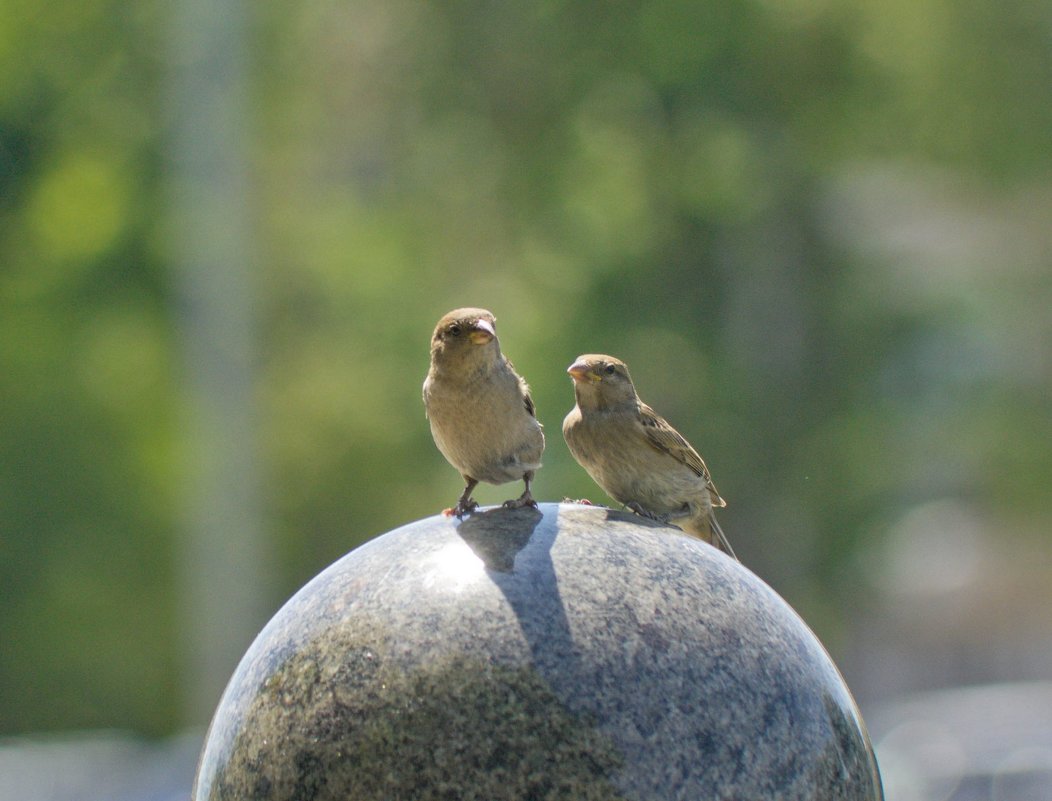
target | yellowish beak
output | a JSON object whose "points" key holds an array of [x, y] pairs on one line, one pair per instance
{"points": [[581, 372], [483, 333]]}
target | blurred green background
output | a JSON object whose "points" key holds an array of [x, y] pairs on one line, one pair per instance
{"points": [[819, 232]]}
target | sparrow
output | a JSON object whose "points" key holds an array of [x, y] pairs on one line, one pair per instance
{"points": [[480, 410], [635, 455]]}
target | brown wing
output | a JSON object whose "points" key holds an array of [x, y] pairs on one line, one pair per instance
{"points": [[666, 439], [527, 400]]}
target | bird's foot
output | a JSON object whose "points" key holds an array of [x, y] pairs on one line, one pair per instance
{"points": [[632, 506], [463, 508], [526, 499]]}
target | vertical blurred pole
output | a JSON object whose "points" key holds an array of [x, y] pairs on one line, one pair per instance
{"points": [[222, 570]]}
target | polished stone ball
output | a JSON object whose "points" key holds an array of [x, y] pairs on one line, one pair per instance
{"points": [[566, 652]]}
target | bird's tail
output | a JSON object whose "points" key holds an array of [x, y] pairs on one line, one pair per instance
{"points": [[705, 527], [719, 539]]}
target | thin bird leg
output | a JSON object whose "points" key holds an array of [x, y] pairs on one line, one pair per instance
{"points": [[465, 504], [526, 499]]}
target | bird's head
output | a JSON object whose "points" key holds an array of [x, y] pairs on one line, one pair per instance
{"points": [[465, 334], [601, 381]]}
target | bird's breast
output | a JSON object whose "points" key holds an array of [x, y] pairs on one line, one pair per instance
{"points": [[482, 427]]}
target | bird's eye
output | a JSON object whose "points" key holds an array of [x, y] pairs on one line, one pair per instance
{"points": [[455, 330], [610, 369]]}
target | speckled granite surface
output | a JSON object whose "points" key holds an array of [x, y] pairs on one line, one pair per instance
{"points": [[573, 652]]}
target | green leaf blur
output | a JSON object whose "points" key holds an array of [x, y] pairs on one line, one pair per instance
{"points": [[818, 231]]}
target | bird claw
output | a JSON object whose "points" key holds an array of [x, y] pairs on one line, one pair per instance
{"points": [[639, 510], [462, 509], [526, 499]]}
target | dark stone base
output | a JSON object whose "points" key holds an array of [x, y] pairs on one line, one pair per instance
{"points": [[573, 652]]}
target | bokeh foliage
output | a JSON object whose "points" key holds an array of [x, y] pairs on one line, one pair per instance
{"points": [[817, 230]]}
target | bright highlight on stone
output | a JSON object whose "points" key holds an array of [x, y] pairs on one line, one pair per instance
{"points": [[569, 652]]}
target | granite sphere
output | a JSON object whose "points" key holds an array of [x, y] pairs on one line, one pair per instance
{"points": [[566, 652]]}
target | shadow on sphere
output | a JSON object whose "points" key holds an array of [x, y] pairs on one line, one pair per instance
{"points": [[566, 652]]}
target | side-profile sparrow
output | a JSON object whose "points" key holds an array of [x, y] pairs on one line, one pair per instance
{"points": [[480, 409], [635, 455]]}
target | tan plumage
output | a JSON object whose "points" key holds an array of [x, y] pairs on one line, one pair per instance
{"points": [[635, 455], [480, 410]]}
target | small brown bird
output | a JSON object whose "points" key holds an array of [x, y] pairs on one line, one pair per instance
{"points": [[635, 455], [481, 413]]}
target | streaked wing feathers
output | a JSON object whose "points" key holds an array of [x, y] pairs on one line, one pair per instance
{"points": [[665, 438], [527, 399]]}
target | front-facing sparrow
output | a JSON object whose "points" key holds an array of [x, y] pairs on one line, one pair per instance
{"points": [[481, 413]]}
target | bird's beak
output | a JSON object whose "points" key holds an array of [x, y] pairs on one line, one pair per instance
{"points": [[483, 333], [579, 372]]}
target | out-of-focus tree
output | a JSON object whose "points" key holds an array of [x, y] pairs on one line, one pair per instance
{"points": [[87, 387], [817, 231]]}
